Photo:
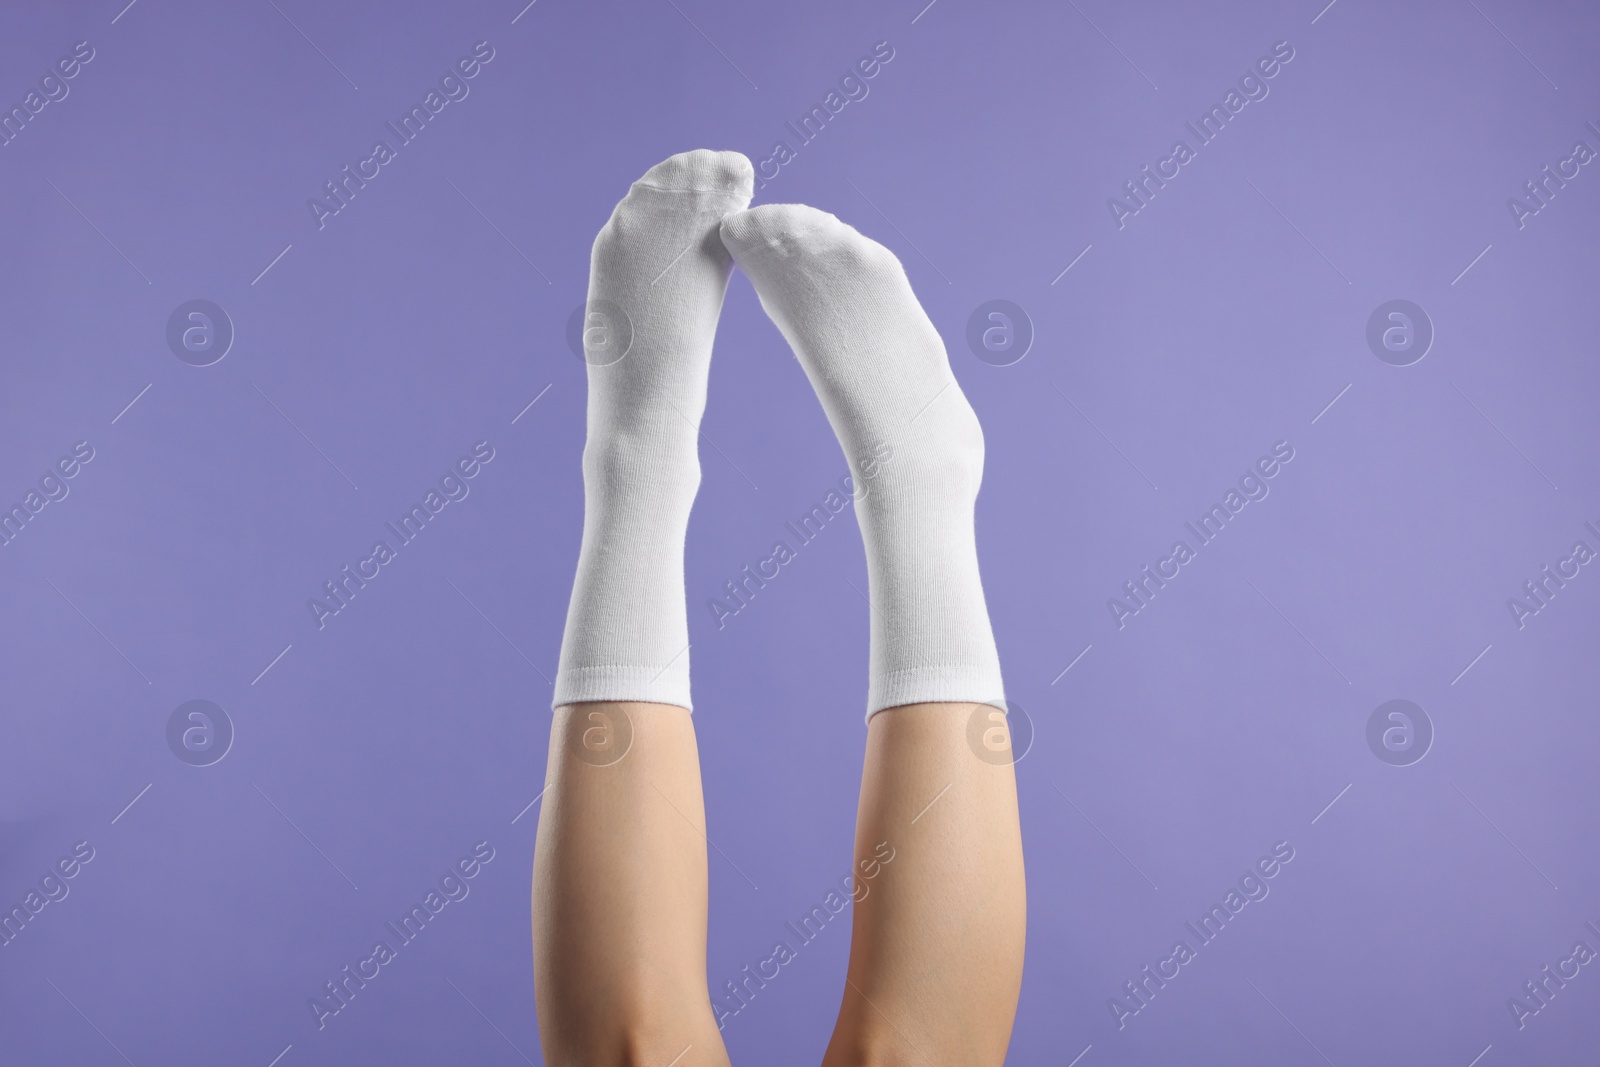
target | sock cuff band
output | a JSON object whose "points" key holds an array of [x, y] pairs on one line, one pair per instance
{"points": [[652, 685], [946, 683]]}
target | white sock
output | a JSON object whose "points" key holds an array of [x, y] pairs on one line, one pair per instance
{"points": [[658, 273], [913, 443]]}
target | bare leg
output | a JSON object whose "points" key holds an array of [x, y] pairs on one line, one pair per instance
{"points": [[937, 941], [619, 892]]}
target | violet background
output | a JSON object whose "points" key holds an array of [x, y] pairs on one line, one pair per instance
{"points": [[1222, 719]]}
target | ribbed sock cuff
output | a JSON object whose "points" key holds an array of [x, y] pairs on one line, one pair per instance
{"points": [[949, 683], [652, 685]]}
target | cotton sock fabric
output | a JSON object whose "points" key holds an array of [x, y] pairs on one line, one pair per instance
{"points": [[913, 443], [657, 276]]}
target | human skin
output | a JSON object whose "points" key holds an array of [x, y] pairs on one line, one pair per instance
{"points": [[936, 946], [619, 892], [620, 905]]}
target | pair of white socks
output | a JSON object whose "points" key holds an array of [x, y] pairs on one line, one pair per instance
{"points": [[658, 273]]}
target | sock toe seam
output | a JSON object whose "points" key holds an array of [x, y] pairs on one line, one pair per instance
{"points": [[725, 191]]}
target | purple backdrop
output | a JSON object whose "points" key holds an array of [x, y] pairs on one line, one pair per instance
{"points": [[1232, 298]]}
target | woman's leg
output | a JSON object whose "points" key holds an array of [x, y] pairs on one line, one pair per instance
{"points": [[619, 892], [936, 955], [936, 945]]}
